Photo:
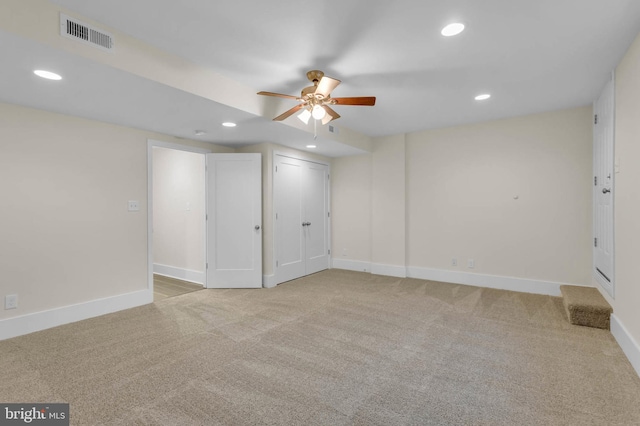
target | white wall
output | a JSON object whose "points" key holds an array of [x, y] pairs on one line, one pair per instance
{"points": [[178, 213], [388, 205], [513, 195], [67, 239], [627, 205], [369, 216], [351, 211], [67, 236]]}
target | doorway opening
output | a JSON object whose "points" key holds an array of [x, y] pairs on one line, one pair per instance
{"points": [[177, 219]]}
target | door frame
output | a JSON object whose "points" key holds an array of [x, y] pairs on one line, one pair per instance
{"points": [[151, 143], [295, 156]]}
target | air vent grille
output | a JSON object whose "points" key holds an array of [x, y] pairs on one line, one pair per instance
{"points": [[78, 30]]}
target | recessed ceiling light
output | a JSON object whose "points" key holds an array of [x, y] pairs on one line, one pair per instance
{"points": [[47, 74], [200, 132], [311, 146], [452, 29], [229, 124], [483, 97]]}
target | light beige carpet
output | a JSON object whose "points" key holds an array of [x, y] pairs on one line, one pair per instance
{"points": [[164, 287], [334, 348]]}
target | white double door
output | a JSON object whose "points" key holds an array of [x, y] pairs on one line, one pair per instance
{"points": [[234, 221], [301, 207]]}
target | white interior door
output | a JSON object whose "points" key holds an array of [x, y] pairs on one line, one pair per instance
{"points": [[301, 206], [234, 221], [289, 218], [603, 165], [316, 210]]}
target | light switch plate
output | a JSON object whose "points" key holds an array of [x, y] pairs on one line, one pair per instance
{"points": [[11, 301]]}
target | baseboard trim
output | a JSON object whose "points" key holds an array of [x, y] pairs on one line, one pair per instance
{"points": [[629, 346], [37, 321], [269, 281], [389, 270], [522, 285], [351, 265], [190, 275]]}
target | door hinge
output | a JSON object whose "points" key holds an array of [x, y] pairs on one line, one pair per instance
{"points": [[328, 214], [329, 251], [207, 265], [206, 217], [595, 119], [595, 242], [276, 169], [276, 263], [276, 216], [328, 177], [595, 181]]}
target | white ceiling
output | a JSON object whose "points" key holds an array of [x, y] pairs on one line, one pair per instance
{"points": [[532, 56]]}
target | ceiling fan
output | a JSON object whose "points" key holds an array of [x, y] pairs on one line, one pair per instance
{"points": [[315, 100]]}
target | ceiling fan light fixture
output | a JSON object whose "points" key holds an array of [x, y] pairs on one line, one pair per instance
{"points": [[318, 112], [452, 29], [304, 116]]}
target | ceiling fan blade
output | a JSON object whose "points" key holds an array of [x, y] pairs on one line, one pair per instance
{"points": [[362, 101], [326, 86], [331, 115], [279, 95], [289, 113]]}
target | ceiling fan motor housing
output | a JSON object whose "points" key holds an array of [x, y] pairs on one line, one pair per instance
{"points": [[315, 76]]}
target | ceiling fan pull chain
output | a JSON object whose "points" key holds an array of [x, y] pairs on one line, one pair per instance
{"points": [[315, 129]]}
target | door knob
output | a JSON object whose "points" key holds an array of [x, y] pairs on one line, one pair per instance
{"points": [[304, 223], [605, 190], [257, 227], [308, 223]]}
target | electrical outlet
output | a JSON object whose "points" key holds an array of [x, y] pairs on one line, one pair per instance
{"points": [[471, 263], [454, 261], [11, 301], [134, 206]]}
